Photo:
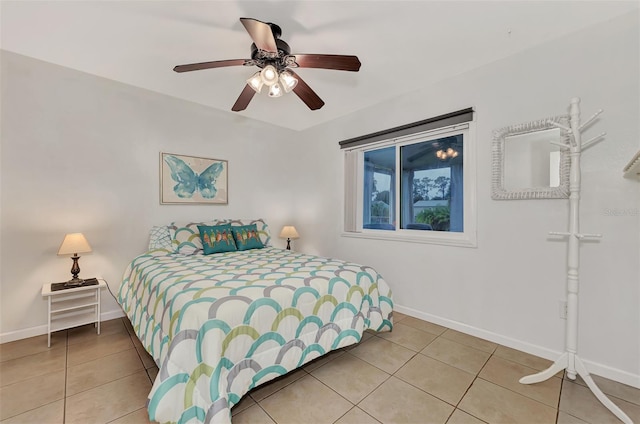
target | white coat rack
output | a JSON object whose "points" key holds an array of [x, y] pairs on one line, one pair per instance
{"points": [[570, 360]]}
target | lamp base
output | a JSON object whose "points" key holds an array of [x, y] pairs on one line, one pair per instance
{"points": [[74, 282]]}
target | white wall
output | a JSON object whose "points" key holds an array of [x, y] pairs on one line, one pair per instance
{"points": [[81, 154], [507, 289]]}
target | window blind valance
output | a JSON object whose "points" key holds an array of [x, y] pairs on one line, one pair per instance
{"points": [[452, 118]]}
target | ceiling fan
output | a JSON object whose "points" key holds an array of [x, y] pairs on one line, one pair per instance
{"points": [[273, 56]]}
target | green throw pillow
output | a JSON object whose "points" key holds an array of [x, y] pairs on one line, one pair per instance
{"points": [[217, 239], [247, 237]]}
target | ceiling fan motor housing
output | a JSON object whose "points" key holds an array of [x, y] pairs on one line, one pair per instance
{"points": [[275, 30], [264, 58]]}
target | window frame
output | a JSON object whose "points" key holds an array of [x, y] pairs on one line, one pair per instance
{"points": [[466, 238]]}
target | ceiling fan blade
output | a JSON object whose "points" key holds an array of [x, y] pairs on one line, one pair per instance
{"points": [[243, 99], [306, 94], [208, 65], [329, 61], [261, 34]]}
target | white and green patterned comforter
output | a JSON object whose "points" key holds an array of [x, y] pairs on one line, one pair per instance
{"points": [[220, 325]]}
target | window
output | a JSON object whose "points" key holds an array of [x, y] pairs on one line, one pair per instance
{"points": [[417, 187], [379, 189]]}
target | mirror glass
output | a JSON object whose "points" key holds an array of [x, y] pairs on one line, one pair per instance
{"points": [[530, 160], [528, 163]]}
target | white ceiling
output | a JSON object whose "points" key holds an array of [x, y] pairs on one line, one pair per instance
{"points": [[403, 46]]}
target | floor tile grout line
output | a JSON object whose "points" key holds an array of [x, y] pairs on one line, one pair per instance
{"points": [[559, 399], [271, 381], [66, 371], [353, 405], [107, 356], [569, 381], [435, 359], [431, 394], [468, 388], [31, 354], [455, 407], [263, 410], [128, 375], [40, 376], [475, 374], [475, 377], [374, 389], [104, 356], [519, 394], [117, 379], [437, 337], [107, 382], [609, 395]]}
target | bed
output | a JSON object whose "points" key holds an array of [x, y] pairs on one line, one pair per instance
{"points": [[220, 324]]}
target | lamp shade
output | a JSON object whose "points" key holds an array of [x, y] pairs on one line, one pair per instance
{"points": [[275, 90], [289, 231], [288, 81], [256, 82], [269, 75], [74, 243]]}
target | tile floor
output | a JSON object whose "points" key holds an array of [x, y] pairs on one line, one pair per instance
{"points": [[419, 373]]}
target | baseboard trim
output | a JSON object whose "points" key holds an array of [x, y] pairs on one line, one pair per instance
{"points": [[25, 333], [606, 371]]}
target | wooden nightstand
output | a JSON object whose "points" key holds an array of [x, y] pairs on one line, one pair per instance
{"points": [[72, 307]]}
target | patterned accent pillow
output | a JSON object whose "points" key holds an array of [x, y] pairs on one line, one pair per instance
{"points": [[185, 237], [263, 228], [160, 238], [217, 239], [247, 237]]}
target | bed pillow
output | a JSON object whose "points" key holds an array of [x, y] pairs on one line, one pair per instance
{"points": [[185, 237], [160, 238], [217, 239], [247, 237], [263, 228]]}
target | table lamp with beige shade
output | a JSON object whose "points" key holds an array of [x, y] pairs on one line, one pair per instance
{"points": [[73, 244], [289, 232]]}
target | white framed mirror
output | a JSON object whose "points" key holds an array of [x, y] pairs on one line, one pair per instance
{"points": [[528, 163]]}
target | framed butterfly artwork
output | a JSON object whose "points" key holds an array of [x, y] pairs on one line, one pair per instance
{"points": [[191, 179]]}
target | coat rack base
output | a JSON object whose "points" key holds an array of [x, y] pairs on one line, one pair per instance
{"points": [[574, 365]]}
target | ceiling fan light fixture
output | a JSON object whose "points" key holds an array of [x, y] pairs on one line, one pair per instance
{"points": [[288, 81], [269, 75], [275, 90], [446, 154], [256, 82]]}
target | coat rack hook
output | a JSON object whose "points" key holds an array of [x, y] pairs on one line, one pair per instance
{"points": [[593, 140], [564, 127], [590, 120]]}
